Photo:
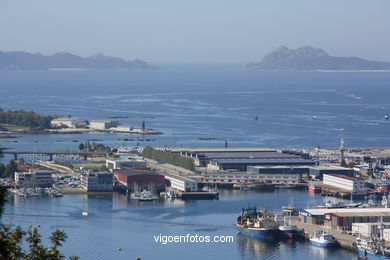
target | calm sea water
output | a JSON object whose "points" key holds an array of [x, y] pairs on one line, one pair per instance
{"points": [[114, 222], [188, 102]]}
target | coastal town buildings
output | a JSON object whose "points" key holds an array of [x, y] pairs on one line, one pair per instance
{"points": [[181, 183], [112, 164], [344, 182], [102, 124], [69, 122], [100, 181], [35, 179], [143, 178]]}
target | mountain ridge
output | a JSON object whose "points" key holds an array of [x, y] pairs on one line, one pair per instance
{"points": [[19, 60], [308, 58]]}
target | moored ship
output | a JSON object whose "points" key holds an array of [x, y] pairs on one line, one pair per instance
{"points": [[313, 188], [289, 231], [258, 224], [372, 248], [323, 239]]}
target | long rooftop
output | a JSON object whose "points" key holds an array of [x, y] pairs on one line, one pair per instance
{"points": [[350, 212]]}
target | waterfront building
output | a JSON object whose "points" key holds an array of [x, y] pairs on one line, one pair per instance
{"points": [[368, 229], [112, 164], [35, 179], [346, 183], [102, 124], [319, 171], [278, 169], [100, 181], [239, 177], [342, 218], [216, 159], [140, 177], [69, 122], [181, 183]]}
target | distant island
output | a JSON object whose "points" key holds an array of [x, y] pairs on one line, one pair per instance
{"points": [[308, 58], [16, 60]]}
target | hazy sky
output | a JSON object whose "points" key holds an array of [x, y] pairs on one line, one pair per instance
{"points": [[197, 30]]}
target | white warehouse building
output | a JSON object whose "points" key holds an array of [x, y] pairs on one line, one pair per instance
{"points": [[181, 183], [70, 122], [344, 182], [112, 164], [102, 124]]}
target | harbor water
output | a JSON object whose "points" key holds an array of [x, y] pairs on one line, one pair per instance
{"points": [[116, 222]]}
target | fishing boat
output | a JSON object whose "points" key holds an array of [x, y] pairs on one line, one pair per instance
{"points": [[323, 239], [145, 195], [382, 186], [285, 227], [313, 188], [372, 248], [259, 224], [289, 231]]}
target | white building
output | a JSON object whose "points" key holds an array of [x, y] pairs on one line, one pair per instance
{"points": [[120, 164], [101, 181], [70, 122], [368, 229], [181, 183], [250, 178], [344, 182], [102, 124], [36, 179]]}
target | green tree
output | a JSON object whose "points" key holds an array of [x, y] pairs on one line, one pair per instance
{"points": [[103, 168], [11, 245], [10, 169], [2, 170]]}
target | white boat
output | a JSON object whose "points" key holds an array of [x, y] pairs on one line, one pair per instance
{"points": [[84, 213], [143, 196], [323, 239]]}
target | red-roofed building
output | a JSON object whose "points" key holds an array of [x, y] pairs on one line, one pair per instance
{"points": [[142, 177], [345, 182]]}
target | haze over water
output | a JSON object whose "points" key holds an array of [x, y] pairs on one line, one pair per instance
{"points": [[188, 102]]}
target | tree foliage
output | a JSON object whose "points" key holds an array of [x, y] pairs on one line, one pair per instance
{"points": [[94, 147], [10, 169], [168, 157], [25, 118], [12, 247]]}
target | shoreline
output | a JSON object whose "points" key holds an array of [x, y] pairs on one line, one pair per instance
{"points": [[9, 133]]}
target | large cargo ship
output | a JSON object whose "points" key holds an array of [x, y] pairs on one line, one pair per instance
{"points": [[258, 224]]}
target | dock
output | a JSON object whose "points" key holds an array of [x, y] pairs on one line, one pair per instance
{"points": [[344, 240]]}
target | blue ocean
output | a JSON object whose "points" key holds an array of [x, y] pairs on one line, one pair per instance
{"points": [[203, 105]]}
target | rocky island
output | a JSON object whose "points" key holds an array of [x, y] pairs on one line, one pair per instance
{"points": [[308, 58], [17, 60]]}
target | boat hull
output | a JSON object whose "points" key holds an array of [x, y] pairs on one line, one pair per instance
{"points": [[314, 189], [322, 244], [258, 232], [365, 255], [289, 231]]}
